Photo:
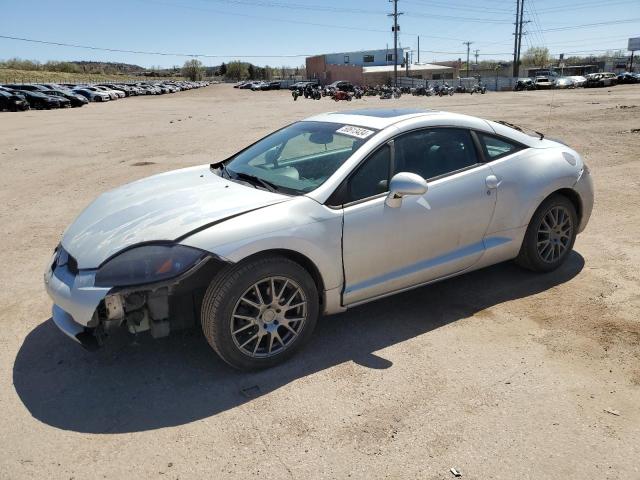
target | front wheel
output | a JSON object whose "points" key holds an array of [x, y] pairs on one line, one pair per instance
{"points": [[550, 235], [259, 313]]}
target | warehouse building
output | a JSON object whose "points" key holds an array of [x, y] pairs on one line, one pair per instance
{"points": [[349, 66], [372, 67], [363, 58], [384, 75]]}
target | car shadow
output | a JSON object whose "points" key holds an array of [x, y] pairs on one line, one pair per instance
{"points": [[145, 384]]}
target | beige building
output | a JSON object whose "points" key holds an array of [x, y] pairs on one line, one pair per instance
{"points": [[384, 74]]}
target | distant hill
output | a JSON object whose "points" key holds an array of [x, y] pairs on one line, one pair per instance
{"points": [[84, 67], [79, 66], [108, 67]]}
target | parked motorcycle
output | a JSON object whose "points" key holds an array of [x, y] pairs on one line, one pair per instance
{"points": [[478, 89], [308, 91], [316, 94], [444, 89], [371, 91], [524, 84], [390, 92], [340, 95]]}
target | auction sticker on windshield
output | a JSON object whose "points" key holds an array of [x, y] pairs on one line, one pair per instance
{"points": [[357, 132]]}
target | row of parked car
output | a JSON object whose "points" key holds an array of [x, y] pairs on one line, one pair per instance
{"points": [[592, 80], [19, 97], [260, 85]]}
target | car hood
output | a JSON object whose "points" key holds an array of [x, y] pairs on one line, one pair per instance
{"points": [[163, 207]]}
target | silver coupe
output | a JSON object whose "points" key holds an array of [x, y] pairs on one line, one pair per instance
{"points": [[320, 216]]}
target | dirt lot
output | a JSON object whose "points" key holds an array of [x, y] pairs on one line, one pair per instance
{"points": [[500, 373]]}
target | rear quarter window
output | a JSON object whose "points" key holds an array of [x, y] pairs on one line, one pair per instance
{"points": [[497, 147]]}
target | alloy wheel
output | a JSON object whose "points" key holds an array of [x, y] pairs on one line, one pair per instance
{"points": [[268, 317], [554, 234]]}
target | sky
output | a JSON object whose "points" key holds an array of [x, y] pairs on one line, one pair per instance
{"points": [[283, 32]]}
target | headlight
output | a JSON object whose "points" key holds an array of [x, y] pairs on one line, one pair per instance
{"points": [[147, 264]]}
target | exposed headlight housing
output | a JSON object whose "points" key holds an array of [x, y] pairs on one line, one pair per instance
{"points": [[147, 264]]}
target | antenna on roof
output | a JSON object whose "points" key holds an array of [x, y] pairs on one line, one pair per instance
{"points": [[553, 94]]}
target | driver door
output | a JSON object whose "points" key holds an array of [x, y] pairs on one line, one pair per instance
{"points": [[440, 233]]}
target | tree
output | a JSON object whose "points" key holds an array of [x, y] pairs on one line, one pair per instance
{"points": [[537, 57], [251, 71], [192, 69], [223, 69], [237, 70]]}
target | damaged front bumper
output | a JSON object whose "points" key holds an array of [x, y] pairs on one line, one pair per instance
{"points": [[75, 303], [85, 313]]}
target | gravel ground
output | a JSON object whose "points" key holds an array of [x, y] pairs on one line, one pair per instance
{"points": [[500, 373]]}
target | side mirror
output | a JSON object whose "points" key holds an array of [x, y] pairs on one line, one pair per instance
{"points": [[403, 184]]}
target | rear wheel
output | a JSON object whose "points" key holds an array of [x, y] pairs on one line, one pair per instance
{"points": [[257, 314], [550, 235]]}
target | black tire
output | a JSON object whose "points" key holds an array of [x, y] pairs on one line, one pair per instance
{"points": [[530, 256], [224, 293]]}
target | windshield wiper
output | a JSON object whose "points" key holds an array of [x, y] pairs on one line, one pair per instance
{"points": [[255, 180]]}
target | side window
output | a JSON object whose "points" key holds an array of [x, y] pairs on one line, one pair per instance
{"points": [[496, 147], [372, 177], [434, 152]]}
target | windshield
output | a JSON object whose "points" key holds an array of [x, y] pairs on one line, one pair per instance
{"points": [[301, 157]]}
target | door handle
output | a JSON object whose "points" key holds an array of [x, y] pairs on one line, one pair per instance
{"points": [[492, 182]]}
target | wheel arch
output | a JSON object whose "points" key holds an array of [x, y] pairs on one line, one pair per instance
{"points": [[301, 259], [568, 193], [575, 199]]}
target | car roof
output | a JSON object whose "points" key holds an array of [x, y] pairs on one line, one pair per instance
{"points": [[407, 119], [377, 118]]}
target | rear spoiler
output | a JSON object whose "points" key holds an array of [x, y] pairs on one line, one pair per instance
{"points": [[519, 128]]}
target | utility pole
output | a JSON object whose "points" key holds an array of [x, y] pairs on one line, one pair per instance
{"points": [[520, 33], [468, 44], [395, 30], [515, 40], [419, 52], [476, 55]]}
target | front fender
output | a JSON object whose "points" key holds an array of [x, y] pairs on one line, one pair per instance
{"points": [[301, 225]]}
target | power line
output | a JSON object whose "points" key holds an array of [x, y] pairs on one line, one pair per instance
{"points": [[537, 22], [294, 22], [325, 8], [573, 27], [298, 6], [168, 54], [580, 6], [465, 7], [458, 18]]}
